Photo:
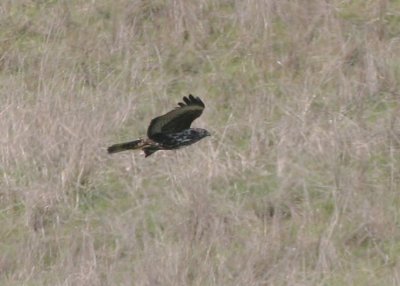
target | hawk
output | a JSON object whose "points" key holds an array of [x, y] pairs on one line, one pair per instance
{"points": [[169, 131]]}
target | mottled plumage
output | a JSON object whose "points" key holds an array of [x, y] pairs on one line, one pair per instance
{"points": [[169, 131]]}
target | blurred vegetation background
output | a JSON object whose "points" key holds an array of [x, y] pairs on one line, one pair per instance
{"points": [[299, 184]]}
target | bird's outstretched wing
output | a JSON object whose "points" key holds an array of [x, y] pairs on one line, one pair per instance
{"points": [[178, 119]]}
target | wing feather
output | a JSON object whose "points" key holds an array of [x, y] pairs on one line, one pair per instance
{"points": [[177, 119]]}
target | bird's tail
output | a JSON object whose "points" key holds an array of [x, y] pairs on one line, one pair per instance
{"points": [[132, 145]]}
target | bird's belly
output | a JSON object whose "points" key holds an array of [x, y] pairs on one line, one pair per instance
{"points": [[177, 140]]}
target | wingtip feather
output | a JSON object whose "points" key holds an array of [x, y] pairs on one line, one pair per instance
{"points": [[191, 100]]}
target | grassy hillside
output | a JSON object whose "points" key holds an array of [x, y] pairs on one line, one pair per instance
{"points": [[299, 184]]}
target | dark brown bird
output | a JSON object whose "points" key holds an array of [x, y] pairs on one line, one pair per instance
{"points": [[169, 131]]}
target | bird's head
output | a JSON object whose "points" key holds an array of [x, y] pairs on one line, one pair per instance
{"points": [[201, 133]]}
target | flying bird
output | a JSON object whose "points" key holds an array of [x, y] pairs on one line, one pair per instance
{"points": [[169, 131]]}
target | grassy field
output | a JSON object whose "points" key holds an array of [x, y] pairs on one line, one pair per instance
{"points": [[299, 184]]}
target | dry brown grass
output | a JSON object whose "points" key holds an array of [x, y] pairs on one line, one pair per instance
{"points": [[299, 184]]}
